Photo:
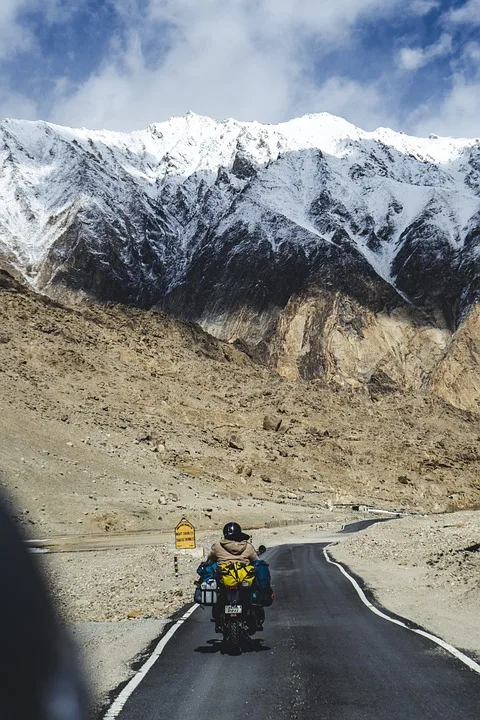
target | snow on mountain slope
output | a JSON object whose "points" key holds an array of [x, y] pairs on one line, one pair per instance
{"points": [[50, 172], [228, 222]]}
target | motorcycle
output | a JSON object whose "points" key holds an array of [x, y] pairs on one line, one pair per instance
{"points": [[238, 594], [235, 603], [237, 615]]}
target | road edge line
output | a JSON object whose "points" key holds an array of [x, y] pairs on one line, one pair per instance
{"points": [[117, 706], [438, 641]]}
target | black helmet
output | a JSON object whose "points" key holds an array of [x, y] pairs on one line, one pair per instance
{"points": [[233, 531]]}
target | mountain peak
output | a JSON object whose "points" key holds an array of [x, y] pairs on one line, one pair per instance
{"points": [[147, 211]]}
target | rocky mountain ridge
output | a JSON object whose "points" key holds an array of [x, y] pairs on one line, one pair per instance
{"points": [[333, 251]]}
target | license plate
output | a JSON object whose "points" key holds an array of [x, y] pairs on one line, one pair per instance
{"points": [[233, 609]]}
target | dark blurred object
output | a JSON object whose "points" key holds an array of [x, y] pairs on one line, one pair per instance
{"points": [[39, 675], [261, 550]]}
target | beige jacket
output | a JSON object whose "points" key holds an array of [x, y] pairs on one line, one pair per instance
{"points": [[225, 551]]}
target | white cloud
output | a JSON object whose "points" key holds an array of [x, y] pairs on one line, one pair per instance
{"points": [[359, 103], [13, 36], [458, 114], [472, 52], [249, 59], [269, 19], [16, 38], [414, 58], [411, 58], [467, 14], [16, 105], [423, 7]]}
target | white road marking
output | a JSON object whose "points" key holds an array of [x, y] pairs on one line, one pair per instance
{"points": [[449, 648], [115, 709]]}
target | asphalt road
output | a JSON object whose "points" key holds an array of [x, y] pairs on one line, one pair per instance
{"points": [[323, 655], [363, 524]]}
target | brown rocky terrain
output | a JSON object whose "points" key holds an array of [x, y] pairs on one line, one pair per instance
{"points": [[116, 418], [329, 334], [332, 335]]}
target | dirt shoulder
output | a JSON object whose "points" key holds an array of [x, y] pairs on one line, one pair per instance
{"points": [[426, 569]]}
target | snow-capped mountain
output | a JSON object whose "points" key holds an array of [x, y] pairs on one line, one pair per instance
{"points": [[232, 223]]}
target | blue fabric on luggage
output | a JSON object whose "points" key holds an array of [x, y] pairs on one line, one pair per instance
{"points": [[207, 571], [263, 582], [263, 577]]}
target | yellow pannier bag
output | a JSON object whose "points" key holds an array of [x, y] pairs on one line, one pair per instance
{"points": [[236, 573]]}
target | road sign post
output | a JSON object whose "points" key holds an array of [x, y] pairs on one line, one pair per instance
{"points": [[185, 535]]}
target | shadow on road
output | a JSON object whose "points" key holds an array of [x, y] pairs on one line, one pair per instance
{"points": [[216, 645]]}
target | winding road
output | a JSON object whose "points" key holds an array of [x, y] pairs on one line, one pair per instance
{"points": [[323, 654]]}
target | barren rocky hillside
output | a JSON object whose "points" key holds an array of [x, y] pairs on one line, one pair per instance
{"points": [[122, 419]]}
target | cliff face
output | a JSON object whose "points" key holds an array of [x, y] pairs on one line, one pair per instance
{"points": [[334, 252], [352, 344], [457, 378]]}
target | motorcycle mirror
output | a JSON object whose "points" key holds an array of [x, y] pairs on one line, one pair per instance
{"points": [[261, 550]]}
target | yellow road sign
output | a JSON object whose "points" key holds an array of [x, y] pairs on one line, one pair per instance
{"points": [[185, 535]]}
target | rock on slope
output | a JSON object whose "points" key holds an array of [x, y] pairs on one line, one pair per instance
{"points": [[332, 250]]}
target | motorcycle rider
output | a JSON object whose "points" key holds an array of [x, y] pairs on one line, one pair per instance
{"points": [[233, 547]]}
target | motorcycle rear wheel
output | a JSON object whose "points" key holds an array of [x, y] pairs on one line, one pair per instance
{"points": [[235, 637]]}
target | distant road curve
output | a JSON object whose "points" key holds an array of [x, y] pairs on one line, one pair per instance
{"points": [[363, 524]]}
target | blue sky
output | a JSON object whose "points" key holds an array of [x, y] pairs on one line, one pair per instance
{"points": [[122, 64]]}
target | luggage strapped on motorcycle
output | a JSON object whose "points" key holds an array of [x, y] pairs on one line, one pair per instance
{"points": [[206, 592], [263, 584], [235, 573], [207, 571]]}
